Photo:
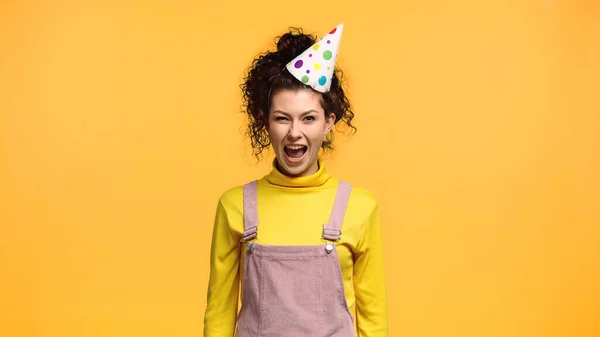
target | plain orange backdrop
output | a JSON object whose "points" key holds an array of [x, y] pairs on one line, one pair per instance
{"points": [[478, 131]]}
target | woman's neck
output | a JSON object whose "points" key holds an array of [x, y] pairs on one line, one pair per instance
{"points": [[279, 177]]}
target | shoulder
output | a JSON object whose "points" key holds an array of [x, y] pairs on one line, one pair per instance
{"points": [[362, 198], [232, 197]]}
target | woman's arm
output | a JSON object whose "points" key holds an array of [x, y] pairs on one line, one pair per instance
{"points": [[223, 285], [369, 281]]}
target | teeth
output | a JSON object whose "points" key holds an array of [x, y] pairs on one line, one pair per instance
{"points": [[294, 147]]}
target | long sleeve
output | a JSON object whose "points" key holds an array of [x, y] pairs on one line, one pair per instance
{"points": [[370, 281], [223, 286]]}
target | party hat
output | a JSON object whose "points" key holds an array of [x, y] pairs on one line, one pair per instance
{"points": [[314, 67]]}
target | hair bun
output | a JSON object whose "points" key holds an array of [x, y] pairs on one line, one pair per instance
{"points": [[293, 43]]}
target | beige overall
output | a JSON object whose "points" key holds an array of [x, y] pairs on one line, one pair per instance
{"points": [[293, 291]]}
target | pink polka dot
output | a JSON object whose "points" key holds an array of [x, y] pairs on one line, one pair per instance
{"points": [[333, 31]]}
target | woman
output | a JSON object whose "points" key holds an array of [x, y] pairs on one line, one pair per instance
{"points": [[305, 248]]}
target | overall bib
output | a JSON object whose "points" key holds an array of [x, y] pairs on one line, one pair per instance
{"points": [[293, 291]]}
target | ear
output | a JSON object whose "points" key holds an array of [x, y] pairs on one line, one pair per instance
{"points": [[329, 122]]}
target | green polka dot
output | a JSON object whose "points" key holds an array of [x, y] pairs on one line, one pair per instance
{"points": [[327, 55], [304, 79]]}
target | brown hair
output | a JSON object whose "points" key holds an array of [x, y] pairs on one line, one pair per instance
{"points": [[267, 75]]}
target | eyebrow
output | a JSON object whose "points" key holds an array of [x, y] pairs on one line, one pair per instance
{"points": [[303, 114]]}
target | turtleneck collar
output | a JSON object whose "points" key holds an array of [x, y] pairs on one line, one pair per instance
{"points": [[277, 178]]}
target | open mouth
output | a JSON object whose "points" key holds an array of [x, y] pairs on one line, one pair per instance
{"points": [[295, 153]]}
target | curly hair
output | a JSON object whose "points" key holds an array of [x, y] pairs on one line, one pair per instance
{"points": [[267, 75]]}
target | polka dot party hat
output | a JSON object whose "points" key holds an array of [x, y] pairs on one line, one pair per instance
{"points": [[314, 67]]}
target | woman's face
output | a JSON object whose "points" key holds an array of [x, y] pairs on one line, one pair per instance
{"points": [[297, 127]]}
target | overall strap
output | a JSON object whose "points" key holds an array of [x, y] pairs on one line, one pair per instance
{"points": [[333, 229], [250, 211]]}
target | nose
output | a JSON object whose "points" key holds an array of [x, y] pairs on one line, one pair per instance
{"points": [[295, 132]]}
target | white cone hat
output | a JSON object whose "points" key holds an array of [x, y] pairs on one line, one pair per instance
{"points": [[315, 66]]}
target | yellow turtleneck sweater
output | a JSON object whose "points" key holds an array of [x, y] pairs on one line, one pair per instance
{"points": [[292, 211]]}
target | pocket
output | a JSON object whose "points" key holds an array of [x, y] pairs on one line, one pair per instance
{"points": [[243, 282], [344, 300], [247, 318], [337, 314], [290, 296]]}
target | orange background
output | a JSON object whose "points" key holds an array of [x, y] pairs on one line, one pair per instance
{"points": [[479, 132]]}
